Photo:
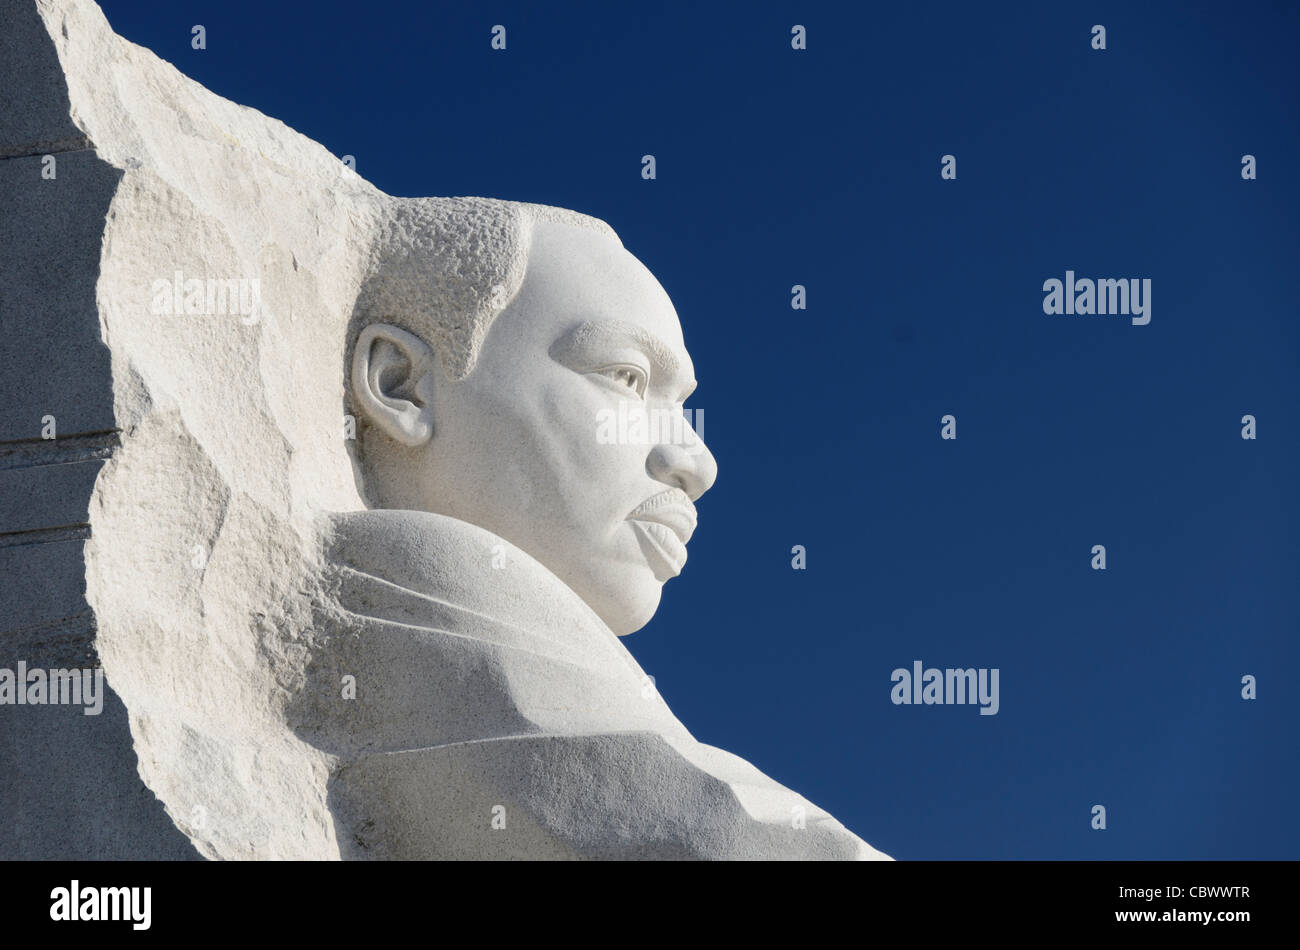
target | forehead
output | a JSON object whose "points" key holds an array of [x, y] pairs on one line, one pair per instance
{"points": [[577, 275]]}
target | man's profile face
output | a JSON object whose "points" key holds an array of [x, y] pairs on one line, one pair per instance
{"points": [[515, 446]]}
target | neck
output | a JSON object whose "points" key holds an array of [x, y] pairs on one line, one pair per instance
{"points": [[450, 560]]}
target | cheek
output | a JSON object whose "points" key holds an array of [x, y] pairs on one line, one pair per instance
{"points": [[599, 482], [567, 415]]}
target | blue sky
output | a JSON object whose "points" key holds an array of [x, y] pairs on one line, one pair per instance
{"points": [[821, 167]]}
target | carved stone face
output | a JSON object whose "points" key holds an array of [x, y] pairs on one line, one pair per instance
{"points": [[526, 446]]}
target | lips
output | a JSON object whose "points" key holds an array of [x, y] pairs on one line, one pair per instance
{"points": [[663, 524]]}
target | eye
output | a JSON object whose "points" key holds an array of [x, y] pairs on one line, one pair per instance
{"points": [[626, 376]]}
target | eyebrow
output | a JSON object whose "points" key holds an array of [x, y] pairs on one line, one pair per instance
{"points": [[593, 335]]}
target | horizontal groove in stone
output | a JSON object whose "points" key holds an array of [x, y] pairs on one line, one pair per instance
{"points": [[76, 143], [30, 453], [68, 640], [70, 532]]}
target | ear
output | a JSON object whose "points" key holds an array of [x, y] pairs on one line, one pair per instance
{"points": [[392, 383]]}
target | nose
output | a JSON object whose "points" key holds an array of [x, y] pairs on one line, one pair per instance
{"points": [[692, 468]]}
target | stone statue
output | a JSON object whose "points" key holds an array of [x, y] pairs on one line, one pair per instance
{"points": [[351, 552], [505, 548]]}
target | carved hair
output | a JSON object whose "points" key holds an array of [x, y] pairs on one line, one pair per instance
{"points": [[443, 268]]}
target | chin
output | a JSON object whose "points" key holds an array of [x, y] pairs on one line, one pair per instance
{"points": [[631, 599]]}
